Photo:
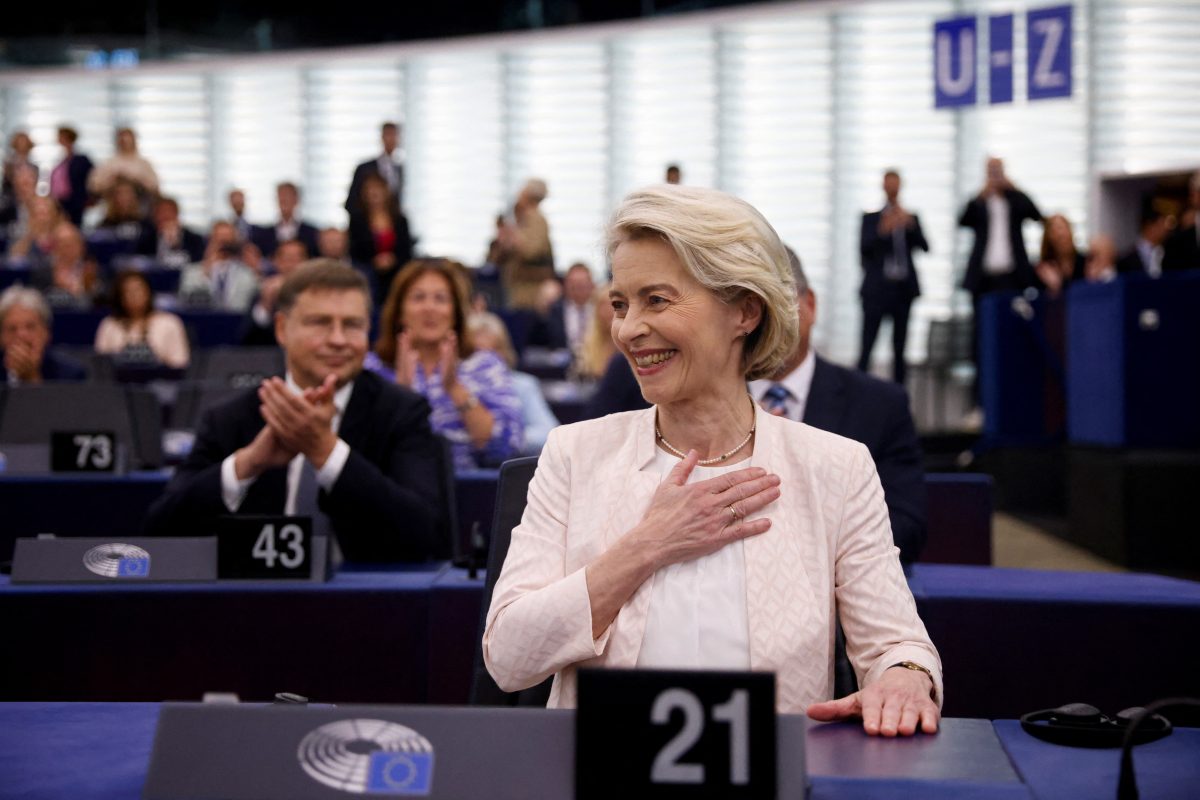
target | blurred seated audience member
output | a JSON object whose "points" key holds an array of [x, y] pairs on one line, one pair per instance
{"points": [[617, 391], [37, 241], [1146, 256], [126, 164], [1060, 263], [172, 244], [674, 175], [380, 241], [597, 349], [1101, 263], [488, 332], [858, 406], [221, 280], [260, 325], [332, 243], [423, 345], [124, 218], [25, 324], [327, 440], [1182, 249], [19, 148], [570, 316], [245, 231], [69, 179], [289, 226], [526, 253], [137, 333], [68, 278], [16, 212]]}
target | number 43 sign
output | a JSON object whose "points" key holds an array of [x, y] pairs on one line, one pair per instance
{"points": [[652, 733], [262, 546]]}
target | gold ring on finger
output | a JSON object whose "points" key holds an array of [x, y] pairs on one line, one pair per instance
{"points": [[736, 516]]}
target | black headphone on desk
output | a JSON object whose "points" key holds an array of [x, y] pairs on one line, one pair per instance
{"points": [[1081, 725]]}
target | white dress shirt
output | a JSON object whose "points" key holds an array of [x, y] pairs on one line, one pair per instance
{"points": [[1151, 256], [576, 320], [697, 616], [233, 491], [797, 382], [998, 255]]}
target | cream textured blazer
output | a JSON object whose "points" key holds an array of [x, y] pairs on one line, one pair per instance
{"points": [[828, 554]]}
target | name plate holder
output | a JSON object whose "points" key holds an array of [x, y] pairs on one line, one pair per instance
{"points": [[676, 734], [131, 560], [270, 547]]}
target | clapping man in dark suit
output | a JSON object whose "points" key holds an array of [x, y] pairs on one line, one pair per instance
{"points": [[327, 439], [25, 322], [887, 241], [385, 166], [855, 405]]}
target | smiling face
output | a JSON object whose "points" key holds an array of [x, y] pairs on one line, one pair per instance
{"points": [[324, 333], [681, 340], [427, 310]]}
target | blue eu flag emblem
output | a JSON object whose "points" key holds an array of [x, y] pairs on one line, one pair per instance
{"points": [[133, 568], [400, 773]]}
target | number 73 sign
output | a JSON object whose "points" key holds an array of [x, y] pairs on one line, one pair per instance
{"points": [[1048, 57]]}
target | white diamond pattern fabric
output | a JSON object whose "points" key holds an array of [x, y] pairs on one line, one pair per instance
{"points": [[829, 551]]}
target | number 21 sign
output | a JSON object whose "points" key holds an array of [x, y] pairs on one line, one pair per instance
{"points": [[671, 734]]}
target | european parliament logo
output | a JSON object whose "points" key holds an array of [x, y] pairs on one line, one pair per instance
{"points": [[368, 756], [117, 560]]}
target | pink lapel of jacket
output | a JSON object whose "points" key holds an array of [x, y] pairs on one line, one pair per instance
{"points": [[629, 497], [779, 591]]}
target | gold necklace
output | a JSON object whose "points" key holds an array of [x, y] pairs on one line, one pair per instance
{"points": [[704, 462]]}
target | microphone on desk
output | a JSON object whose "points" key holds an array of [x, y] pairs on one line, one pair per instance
{"points": [[1127, 782]]}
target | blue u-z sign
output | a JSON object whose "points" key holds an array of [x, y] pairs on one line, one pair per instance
{"points": [[1048, 53]]}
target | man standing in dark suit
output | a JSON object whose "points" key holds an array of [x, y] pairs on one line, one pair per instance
{"points": [[998, 261], [24, 341], [328, 439], [1148, 255], [68, 180], [383, 165], [289, 226], [859, 407], [887, 241]]}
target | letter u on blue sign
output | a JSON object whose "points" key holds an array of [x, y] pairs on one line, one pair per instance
{"points": [[954, 73], [400, 773]]}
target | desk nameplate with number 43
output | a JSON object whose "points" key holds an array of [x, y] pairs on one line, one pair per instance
{"points": [[262, 546], [675, 734]]}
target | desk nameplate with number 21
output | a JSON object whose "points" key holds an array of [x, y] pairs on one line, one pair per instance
{"points": [[675, 734]]}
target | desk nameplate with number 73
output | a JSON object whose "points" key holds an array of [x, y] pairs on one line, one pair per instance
{"points": [[263, 546], [675, 734]]}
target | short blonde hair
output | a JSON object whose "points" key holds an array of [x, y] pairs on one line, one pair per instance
{"points": [[730, 249], [487, 322]]}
